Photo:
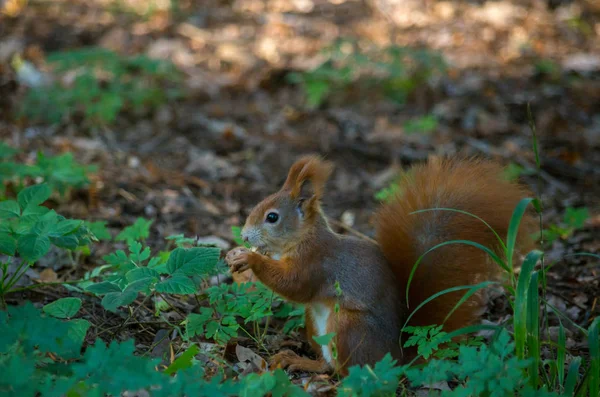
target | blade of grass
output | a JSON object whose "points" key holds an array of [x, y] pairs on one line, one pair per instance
{"points": [[561, 353], [560, 315], [488, 251], [462, 300], [533, 330], [549, 368], [572, 255], [534, 133], [583, 254], [572, 376], [581, 391], [469, 214], [513, 230], [475, 288], [520, 315], [594, 371]]}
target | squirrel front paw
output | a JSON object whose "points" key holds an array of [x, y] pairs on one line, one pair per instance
{"points": [[238, 259]]}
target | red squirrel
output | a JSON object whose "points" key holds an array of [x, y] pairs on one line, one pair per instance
{"points": [[306, 258]]}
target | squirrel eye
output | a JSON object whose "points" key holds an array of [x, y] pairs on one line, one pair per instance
{"points": [[272, 217]]}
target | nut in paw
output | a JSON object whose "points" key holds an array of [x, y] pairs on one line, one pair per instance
{"points": [[238, 259]]}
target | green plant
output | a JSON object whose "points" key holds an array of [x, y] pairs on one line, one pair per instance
{"points": [[28, 230], [137, 273], [421, 125], [381, 380], [251, 303], [388, 193], [104, 83], [396, 71], [547, 67], [44, 352], [41, 355], [514, 171], [99, 230], [573, 219], [59, 172], [140, 230]]}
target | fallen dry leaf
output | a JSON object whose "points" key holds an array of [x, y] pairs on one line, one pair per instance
{"points": [[254, 362], [48, 276]]}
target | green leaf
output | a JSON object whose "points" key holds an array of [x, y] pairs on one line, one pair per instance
{"points": [[102, 288], [65, 226], [32, 330], [521, 298], [561, 352], [193, 261], [572, 376], [237, 236], [140, 230], [113, 300], [136, 253], [195, 322], [424, 124], [533, 331], [114, 369], [513, 230], [9, 209], [45, 223], [316, 92], [75, 337], [324, 340], [140, 273], [177, 284], [63, 308], [576, 217], [184, 361], [32, 247], [141, 285], [29, 217], [368, 381], [117, 258], [33, 195], [594, 371], [512, 172], [7, 151], [427, 338], [8, 244], [99, 230]]}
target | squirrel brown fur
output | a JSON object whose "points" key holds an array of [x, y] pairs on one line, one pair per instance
{"points": [[302, 259]]}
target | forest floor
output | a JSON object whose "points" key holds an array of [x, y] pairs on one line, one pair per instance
{"points": [[198, 163]]}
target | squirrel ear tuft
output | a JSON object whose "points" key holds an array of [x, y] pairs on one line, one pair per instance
{"points": [[307, 177]]}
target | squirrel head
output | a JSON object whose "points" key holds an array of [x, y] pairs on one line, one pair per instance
{"points": [[282, 219]]}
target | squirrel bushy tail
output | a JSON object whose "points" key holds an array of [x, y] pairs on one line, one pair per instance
{"points": [[470, 185]]}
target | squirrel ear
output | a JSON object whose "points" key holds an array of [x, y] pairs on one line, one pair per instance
{"points": [[307, 177]]}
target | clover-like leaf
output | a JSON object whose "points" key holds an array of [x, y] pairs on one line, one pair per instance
{"points": [[324, 340], [9, 209], [8, 244], [63, 308], [193, 261], [177, 284], [33, 195], [102, 288], [32, 247], [113, 300]]}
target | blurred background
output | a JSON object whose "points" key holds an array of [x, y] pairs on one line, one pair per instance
{"points": [[189, 112]]}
